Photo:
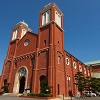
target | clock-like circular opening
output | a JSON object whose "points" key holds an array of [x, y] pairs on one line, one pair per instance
{"points": [[26, 42]]}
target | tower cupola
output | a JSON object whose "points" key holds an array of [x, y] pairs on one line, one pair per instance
{"points": [[51, 13], [19, 30]]}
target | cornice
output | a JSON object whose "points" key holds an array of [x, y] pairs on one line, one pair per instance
{"points": [[47, 7]]}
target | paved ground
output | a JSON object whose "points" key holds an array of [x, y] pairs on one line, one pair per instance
{"points": [[20, 98], [15, 98], [89, 98]]}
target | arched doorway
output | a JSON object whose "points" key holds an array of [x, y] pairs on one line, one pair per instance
{"points": [[22, 84], [42, 78], [20, 80], [5, 82]]}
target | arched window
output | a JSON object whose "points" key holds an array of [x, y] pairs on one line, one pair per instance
{"points": [[57, 18], [59, 59], [67, 61], [5, 82], [44, 42], [58, 43], [14, 34], [23, 32], [22, 72], [46, 17], [69, 78], [84, 70], [80, 68], [74, 65], [88, 73], [69, 83]]}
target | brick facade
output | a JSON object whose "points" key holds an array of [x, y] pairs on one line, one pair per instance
{"points": [[35, 56]]}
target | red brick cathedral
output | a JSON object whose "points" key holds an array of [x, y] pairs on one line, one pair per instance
{"points": [[32, 57]]}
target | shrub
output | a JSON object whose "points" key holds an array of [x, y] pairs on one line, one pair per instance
{"points": [[48, 95], [30, 94], [44, 87], [1, 92], [5, 89], [40, 95]]}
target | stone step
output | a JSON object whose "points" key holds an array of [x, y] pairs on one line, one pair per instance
{"points": [[65, 98], [12, 94]]}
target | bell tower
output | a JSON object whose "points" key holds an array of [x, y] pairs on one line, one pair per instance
{"points": [[51, 38], [50, 13], [51, 25], [18, 31]]}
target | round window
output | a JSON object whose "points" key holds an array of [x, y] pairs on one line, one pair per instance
{"points": [[26, 42]]}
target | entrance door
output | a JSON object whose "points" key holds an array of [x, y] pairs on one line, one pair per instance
{"points": [[22, 84], [58, 89]]}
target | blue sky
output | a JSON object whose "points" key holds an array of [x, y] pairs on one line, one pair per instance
{"points": [[81, 24]]}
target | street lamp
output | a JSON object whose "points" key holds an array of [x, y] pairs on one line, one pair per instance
{"points": [[47, 90]]}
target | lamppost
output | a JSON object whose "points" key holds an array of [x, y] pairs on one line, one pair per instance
{"points": [[47, 90]]}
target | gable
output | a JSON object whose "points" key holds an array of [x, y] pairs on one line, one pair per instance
{"points": [[27, 44]]}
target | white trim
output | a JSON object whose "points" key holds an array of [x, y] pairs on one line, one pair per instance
{"points": [[57, 18], [26, 42], [67, 61], [88, 73], [46, 17], [15, 32], [80, 68], [69, 78], [23, 32], [59, 59], [16, 82], [50, 23], [84, 70], [74, 65], [43, 18]]}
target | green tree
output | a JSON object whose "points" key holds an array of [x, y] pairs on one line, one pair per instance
{"points": [[93, 84], [79, 81], [45, 88], [87, 83]]}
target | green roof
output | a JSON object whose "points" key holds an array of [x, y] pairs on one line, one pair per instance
{"points": [[97, 62]]}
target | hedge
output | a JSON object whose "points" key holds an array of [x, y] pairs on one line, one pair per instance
{"points": [[40, 95]]}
